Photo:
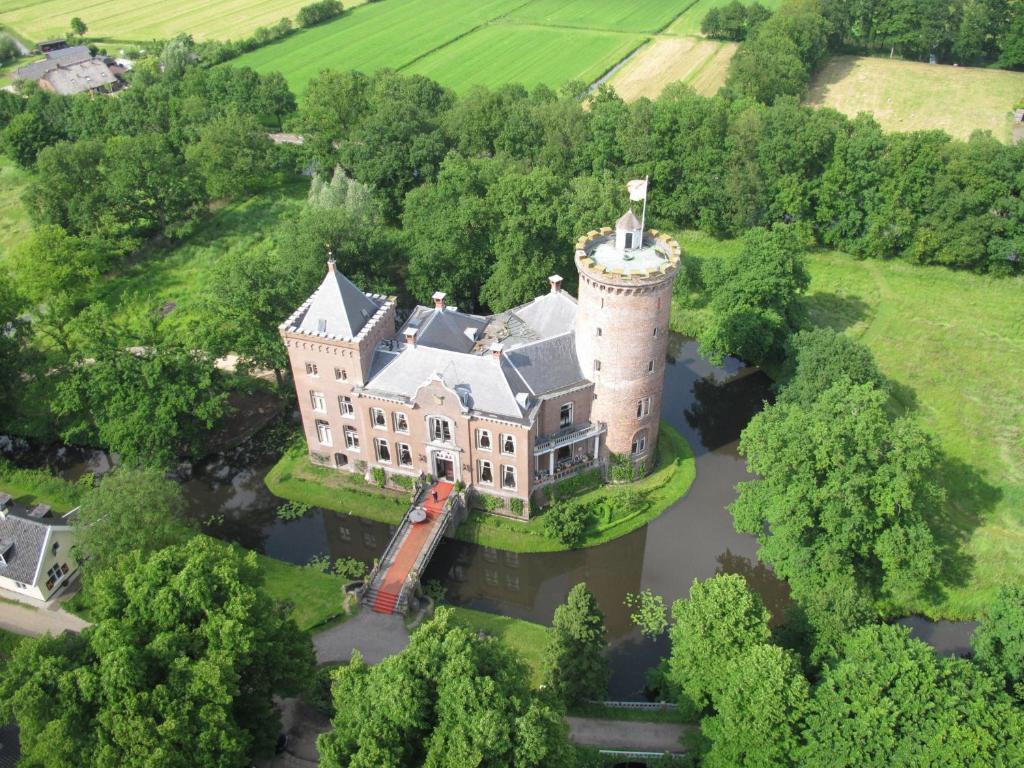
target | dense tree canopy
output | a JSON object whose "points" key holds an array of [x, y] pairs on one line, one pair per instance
{"points": [[819, 358], [999, 640], [178, 670], [449, 699], [575, 668]]}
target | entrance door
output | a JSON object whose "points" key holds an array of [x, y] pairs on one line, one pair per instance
{"points": [[445, 469]]}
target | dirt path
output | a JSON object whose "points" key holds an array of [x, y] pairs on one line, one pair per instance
{"points": [[23, 620]]}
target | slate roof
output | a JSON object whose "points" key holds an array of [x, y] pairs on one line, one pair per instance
{"points": [[548, 365], [63, 57], [628, 220], [337, 308], [445, 328], [28, 537], [549, 315], [80, 77], [490, 385]]}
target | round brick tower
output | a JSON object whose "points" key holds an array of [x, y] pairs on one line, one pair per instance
{"points": [[625, 299]]}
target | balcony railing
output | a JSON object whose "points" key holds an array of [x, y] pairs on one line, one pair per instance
{"points": [[564, 469], [567, 437]]}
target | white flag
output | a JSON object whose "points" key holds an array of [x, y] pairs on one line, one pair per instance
{"points": [[637, 189]]}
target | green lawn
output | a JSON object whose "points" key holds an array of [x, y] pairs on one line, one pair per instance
{"points": [[38, 486], [689, 22], [149, 19], [668, 483], [525, 637], [316, 598], [14, 221], [530, 55], [175, 272], [296, 479], [636, 16], [951, 342]]}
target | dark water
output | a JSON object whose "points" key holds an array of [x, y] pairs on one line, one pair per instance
{"points": [[694, 539]]}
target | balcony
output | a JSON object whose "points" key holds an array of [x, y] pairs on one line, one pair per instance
{"points": [[564, 469], [567, 437]]}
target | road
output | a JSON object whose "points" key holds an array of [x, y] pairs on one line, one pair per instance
{"points": [[23, 620]]}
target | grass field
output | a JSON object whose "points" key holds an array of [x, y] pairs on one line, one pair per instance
{"points": [[910, 96], [635, 16], [689, 22], [145, 20], [703, 64], [951, 343], [14, 221], [530, 55]]}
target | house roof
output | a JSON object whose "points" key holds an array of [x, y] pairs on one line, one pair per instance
{"points": [[80, 77], [337, 308], [23, 541], [548, 365], [628, 220], [549, 315], [445, 328], [63, 57]]}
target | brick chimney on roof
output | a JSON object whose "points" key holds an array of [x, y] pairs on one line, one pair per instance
{"points": [[556, 283], [410, 336], [438, 298], [496, 350]]}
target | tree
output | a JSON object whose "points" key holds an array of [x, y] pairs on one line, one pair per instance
{"points": [[890, 701], [759, 710], [25, 135], [998, 642], [179, 669], [8, 49], [717, 623], [12, 339], [766, 67], [64, 190], [78, 26], [753, 296], [275, 97], [150, 403], [177, 55], [575, 668], [450, 698], [818, 358], [131, 510], [233, 156], [843, 491], [566, 521]]}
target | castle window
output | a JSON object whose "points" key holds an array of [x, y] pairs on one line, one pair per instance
{"points": [[404, 455], [340, 375], [598, 331], [377, 418], [643, 407], [483, 439], [508, 445], [597, 366], [340, 460], [650, 367], [655, 333], [485, 472], [311, 369], [382, 449], [323, 432], [345, 406], [639, 447], [319, 403], [508, 477], [565, 416], [401, 422], [440, 430], [351, 438]]}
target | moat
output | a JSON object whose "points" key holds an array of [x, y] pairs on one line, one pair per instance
{"points": [[693, 539]]}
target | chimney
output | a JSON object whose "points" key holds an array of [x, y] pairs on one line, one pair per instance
{"points": [[496, 350], [330, 261], [556, 283], [438, 298], [410, 336]]}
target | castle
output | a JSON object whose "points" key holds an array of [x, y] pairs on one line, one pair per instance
{"points": [[505, 404]]}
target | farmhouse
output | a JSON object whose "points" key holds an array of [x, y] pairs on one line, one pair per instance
{"points": [[505, 403], [35, 549], [67, 71]]}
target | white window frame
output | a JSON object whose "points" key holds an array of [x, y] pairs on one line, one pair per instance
{"points": [[351, 438], [340, 374], [318, 401], [407, 449], [480, 464], [506, 470], [480, 435], [348, 410], [643, 407], [562, 424], [401, 422], [440, 424], [376, 413], [312, 370], [379, 443], [505, 452], [323, 431], [638, 447]]}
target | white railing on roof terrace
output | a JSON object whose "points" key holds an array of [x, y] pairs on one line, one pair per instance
{"points": [[557, 440]]}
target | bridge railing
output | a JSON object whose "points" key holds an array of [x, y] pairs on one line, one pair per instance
{"points": [[396, 540], [447, 512]]}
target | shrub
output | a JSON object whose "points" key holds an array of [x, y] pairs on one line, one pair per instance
{"points": [[435, 590], [380, 477], [403, 481], [516, 507], [566, 521], [319, 12], [488, 502], [622, 468], [350, 568], [577, 484]]}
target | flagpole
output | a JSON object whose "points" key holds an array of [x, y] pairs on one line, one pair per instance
{"points": [[643, 215]]}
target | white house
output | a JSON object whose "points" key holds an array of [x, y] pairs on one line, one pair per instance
{"points": [[35, 549]]}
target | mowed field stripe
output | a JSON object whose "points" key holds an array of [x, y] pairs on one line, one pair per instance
{"points": [[670, 60], [606, 15]]}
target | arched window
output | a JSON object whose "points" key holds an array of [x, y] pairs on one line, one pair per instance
{"points": [[639, 447]]}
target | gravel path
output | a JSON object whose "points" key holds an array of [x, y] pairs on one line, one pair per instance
{"points": [[375, 635], [627, 735], [23, 620]]}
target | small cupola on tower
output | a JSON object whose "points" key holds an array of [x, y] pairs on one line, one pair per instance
{"points": [[628, 232]]}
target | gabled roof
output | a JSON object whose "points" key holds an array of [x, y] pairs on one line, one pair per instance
{"points": [[24, 541], [548, 365], [337, 308], [628, 220], [549, 315], [445, 328], [63, 57]]}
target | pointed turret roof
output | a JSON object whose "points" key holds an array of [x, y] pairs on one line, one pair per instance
{"points": [[337, 308], [628, 220]]}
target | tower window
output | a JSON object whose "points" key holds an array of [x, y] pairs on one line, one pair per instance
{"points": [[643, 407], [655, 333], [598, 331], [597, 365], [639, 446], [650, 367], [311, 369]]}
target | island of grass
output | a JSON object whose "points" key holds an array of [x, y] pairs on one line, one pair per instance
{"points": [[294, 478]]}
